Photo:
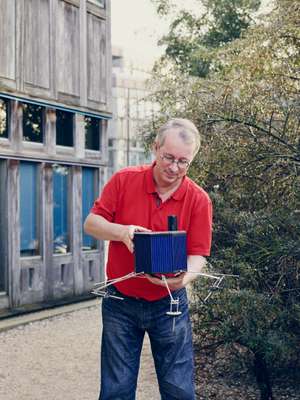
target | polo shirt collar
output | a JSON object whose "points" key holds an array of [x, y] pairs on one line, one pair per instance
{"points": [[150, 187]]}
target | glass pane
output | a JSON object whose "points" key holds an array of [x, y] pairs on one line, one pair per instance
{"points": [[60, 210], [33, 123], [29, 209], [4, 118], [100, 2], [92, 133], [88, 198], [64, 128], [133, 158]]}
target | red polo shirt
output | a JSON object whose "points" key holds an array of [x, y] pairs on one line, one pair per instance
{"points": [[130, 198]]}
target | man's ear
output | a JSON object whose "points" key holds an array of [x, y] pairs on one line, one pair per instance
{"points": [[155, 147]]}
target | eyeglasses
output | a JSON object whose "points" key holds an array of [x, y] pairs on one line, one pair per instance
{"points": [[181, 163]]}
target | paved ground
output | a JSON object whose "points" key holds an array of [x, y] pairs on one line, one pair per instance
{"points": [[57, 358]]}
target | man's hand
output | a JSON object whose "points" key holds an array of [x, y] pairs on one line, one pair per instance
{"points": [[195, 265], [127, 235], [174, 283], [101, 229]]}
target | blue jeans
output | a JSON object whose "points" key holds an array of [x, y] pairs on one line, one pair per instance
{"points": [[124, 325]]}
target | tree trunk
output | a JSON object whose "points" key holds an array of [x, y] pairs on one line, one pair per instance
{"points": [[262, 377]]}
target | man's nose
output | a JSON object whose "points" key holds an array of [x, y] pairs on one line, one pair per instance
{"points": [[174, 166]]}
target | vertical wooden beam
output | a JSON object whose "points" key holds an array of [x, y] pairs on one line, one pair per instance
{"points": [[104, 141], [48, 232], [76, 227], [20, 45], [83, 53], [53, 70], [50, 132], [108, 57], [3, 226], [16, 126], [13, 211], [42, 231], [79, 136]]}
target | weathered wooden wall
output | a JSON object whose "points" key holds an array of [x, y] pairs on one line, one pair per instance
{"points": [[58, 50], [58, 53], [47, 276]]}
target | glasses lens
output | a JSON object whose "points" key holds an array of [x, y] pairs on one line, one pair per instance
{"points": [[168, 159], [183, 164]]}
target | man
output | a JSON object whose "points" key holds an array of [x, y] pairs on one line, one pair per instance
{"points": [[140, 199]]}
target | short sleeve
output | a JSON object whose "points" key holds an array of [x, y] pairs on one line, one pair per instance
{"points": [[106, 204], [200, 230]]}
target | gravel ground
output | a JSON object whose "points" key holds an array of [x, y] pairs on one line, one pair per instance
{"points": [[58, 359]]}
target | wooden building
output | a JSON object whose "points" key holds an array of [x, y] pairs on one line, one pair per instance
{"points": [[55, 101]]}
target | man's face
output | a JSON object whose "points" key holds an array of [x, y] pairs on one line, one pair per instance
{"points": [[172, 158]]}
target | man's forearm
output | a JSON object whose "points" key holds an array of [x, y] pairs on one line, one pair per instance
{"points": [[195, 265], [101, 229]]}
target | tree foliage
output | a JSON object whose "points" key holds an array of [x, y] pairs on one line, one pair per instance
{"points": [[191, 39], [248, 110]]}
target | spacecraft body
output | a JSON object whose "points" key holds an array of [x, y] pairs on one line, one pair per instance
{"points": [[160, 252]]}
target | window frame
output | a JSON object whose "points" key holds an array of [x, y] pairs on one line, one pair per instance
{"points": [[37, 209], [99, 131], [3, 226], [7, 117], [43, 123], [61, 112], [67, 213], [95, 189], [99, 3]]}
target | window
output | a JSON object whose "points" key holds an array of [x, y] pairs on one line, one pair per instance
{"points": [[29, 223], [144, 158], [88, 198], [64, 128], [61, 241], [3, 225], [133, 158], [93, 131], [101, 3], [33, 129], [133, 108], [110, 158], [4, 118], [121, 107]]}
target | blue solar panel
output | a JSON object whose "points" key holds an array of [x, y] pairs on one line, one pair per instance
{"points": [[160, 252]]}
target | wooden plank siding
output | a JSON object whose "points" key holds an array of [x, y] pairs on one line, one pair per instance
{"points": [[3, 226], [13, 232], [46, 276], [68, 53], [57, 54], [96, 60], [58, 50], [37, 46], [8, 44]]}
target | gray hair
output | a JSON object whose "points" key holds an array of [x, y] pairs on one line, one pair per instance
{"points": [[185, 128]]}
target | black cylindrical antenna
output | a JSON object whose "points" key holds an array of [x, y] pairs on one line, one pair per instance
{"points": [[172, 223]]}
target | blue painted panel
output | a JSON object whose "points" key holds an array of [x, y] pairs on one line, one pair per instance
{"points": [[28, 206], [160, 252], [88, 198], [60, 210]]}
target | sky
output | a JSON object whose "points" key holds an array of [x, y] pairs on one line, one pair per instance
{"points": [[136, 28]]}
